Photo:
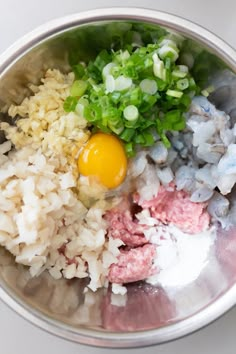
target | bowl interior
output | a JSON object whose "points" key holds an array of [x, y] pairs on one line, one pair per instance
{"points": [[61, 306]]}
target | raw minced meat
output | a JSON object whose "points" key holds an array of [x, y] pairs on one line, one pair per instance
{"points": [[123, 226], [172, 206], [133, 264]]}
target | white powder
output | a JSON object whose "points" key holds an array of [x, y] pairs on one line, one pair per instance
{"points": [[180, 257]]}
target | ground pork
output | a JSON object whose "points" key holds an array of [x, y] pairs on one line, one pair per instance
{"points": [[123, 226], [172, 206], [133, 265]]}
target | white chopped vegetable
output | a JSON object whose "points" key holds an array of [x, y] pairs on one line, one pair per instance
{"points": [[158, 67], [148, 86], [123, 83], [131, 113], [174, 93], [110, 83], [168, 49], [107, 70]]}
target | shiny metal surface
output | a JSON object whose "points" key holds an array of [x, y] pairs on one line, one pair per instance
{"points": [[151, 315]]}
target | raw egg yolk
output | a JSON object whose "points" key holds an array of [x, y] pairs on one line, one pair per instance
{"points": [[104, 157]]}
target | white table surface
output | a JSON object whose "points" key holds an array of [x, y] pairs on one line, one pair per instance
{"points": [[17, 17]]}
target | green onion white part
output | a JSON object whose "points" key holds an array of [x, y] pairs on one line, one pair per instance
{"points": [[206, 92], [180, 71], [131, 113], [158, 67], [107, 70], [148, 86], [169, 51], [123, 83], [182, 84], [109, 83], [174, 93], [79, 109]]}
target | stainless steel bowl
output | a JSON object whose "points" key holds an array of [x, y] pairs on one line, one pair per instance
{"points": [[151, 315]]}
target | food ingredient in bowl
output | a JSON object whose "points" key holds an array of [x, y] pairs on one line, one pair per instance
{"points": [[74, 202], [135, 91], [104, 157]]}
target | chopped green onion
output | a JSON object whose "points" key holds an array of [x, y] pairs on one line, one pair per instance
{"points": [[179, 74], [148, 86], [131, 113], [127, 134], [70, 104], [206, 92], [135, 91], [174, 93], [165, 140], [148, 138], [79, 70], [123, 56], [102, 59], [168, 51], [115, 97], [129, 149], [107, 70], [123, 83], [148, 102], [110, 83], [139, 139], [115, 129], [132, 123], [158, 67], [179, 125], [80, 106], [183, 68], [93, 112], [192, 83], [78, 88], [185, 101], [182, 84]]}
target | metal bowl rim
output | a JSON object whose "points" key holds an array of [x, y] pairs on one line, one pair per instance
{"points": [[89, 336]]}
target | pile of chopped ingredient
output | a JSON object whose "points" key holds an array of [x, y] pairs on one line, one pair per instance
{"points": [[134, 93], [117, 172]]}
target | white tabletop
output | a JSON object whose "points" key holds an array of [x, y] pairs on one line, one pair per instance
{"points": [[17, 18]]}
